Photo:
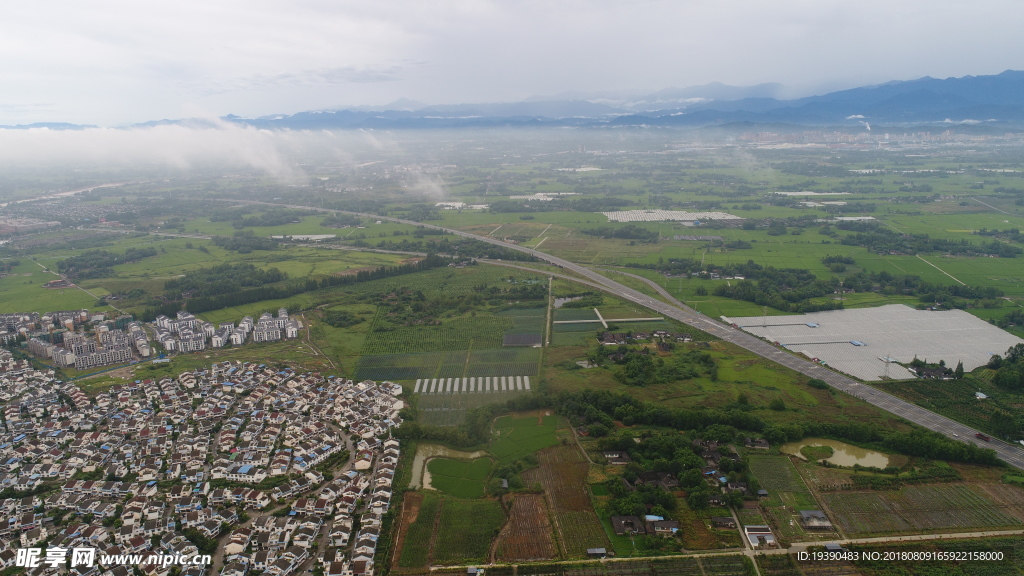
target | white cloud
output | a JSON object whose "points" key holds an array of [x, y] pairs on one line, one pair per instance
{"points": [[175, 146], [120, 61]]}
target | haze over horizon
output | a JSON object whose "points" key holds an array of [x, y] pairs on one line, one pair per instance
{"points": [[115, 62]]}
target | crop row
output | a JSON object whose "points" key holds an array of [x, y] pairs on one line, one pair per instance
{"points": [[466, 529], [776, 474], [725, 566], [416, 542], [527, 536], [918, 508]]}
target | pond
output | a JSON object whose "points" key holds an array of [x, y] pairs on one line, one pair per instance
{"points": [[424, 452], [843, 454], [560, 301]]}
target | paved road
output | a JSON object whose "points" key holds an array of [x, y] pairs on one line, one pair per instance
{"points": [[1010, 453]]}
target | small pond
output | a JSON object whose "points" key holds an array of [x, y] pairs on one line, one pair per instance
{"points": [[424, 452], [843, 454]]}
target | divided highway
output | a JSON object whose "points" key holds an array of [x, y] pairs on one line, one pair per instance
{"points": [[1009, 453]]}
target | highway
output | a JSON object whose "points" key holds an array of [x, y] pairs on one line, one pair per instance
{"points": [[1009, 453]]}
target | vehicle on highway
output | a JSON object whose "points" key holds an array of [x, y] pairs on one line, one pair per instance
{"points": [[981, 436]]}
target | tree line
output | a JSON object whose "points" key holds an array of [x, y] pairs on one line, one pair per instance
{"points": [[248, 296], [588, 406]]}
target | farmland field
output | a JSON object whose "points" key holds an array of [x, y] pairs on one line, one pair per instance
{"points": [[676, 567], [416, 542], [787, 495], [450, 364], [453, 334], [1011, 561], [525, 320], [450, 409], [563, 474], [518, 437], [466, 529], [459, 478], [828, 568], [527, 534], [925, 508], [775, 473], [726, 566], [446, 281], [777, 565], [955, 398]]}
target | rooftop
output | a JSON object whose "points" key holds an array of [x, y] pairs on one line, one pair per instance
{"points": [[894, 331]]}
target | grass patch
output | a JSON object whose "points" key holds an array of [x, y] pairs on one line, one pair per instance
{"points": [[459, 478], [518, 437]]}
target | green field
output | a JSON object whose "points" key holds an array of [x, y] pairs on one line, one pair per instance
{"points": [[450, 409], [956, 399], [787, 495], [466, 529], [451, 364], [452, 334], [930, 508], [459, 478], [517, 437], [23, 290], [998, 556], [416, 547]]}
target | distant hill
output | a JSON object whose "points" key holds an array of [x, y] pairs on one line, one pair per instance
{"points": [[990, 102], [996, 100]]}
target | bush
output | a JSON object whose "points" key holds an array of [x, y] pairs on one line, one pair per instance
{"points": [[341, 318]]}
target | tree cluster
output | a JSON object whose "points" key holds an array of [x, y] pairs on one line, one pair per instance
{"points": [[885, 241], [221, 279], [287, 290], [628, 232], [245, 241], [100, 263], [640, 367]]}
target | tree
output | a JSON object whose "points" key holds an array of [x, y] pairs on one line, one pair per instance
{"points": [[697, 501], [1015, 354], [778, 405], [958, 373], [734, 499]]}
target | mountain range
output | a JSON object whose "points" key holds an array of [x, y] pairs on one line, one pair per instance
{"points": [[995, 102]]}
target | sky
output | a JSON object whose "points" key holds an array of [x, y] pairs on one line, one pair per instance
{"points": [[118, 62]]}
